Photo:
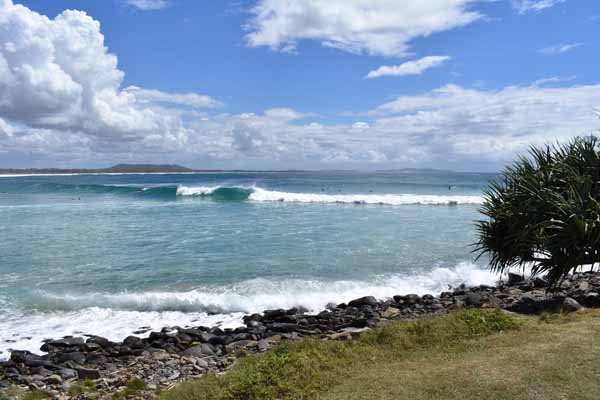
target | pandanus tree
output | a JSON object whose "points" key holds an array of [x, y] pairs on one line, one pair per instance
{"points": [[544, 211]]}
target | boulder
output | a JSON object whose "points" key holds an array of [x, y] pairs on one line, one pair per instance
{"points": [[241, 345], [571, 305], [390, 313], [54, 380], [474, 299], [412, 299], [263, 345], [74, 356], [99, 340], [67, 373], [274, 314], [199, 351], [68, 341], [514, 279], [86, 373], [363, 301], [133, 342]]}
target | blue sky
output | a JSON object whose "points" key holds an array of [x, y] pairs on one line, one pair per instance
{"points": [[461, 84]]}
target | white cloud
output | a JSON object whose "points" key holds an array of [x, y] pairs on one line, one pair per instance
{"points": [[554, 79], [524, 6], [188, 99], [57, 74], [415, 67], [375, 27], [284, 114], [148, 4], [61, 99], [6, 129], [360, 126], [490, 125], [560, 48]]}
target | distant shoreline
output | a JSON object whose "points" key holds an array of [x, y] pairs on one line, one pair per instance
{"points": [[147, 169]]}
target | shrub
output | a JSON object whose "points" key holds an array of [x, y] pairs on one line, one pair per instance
{"points": [[545, 211]]}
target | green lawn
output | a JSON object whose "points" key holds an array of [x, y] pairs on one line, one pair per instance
{"points": [[467, 355]]}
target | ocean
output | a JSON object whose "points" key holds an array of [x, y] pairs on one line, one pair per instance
{"points": [[111, 254]]}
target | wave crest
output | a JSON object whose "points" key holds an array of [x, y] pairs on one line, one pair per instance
{"points": [[253, 193], [381, 199]]}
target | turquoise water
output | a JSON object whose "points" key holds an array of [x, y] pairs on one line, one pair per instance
{"points": [[107, 254]]}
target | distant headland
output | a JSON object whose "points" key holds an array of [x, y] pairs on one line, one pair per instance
{"points": [[115, 169]]}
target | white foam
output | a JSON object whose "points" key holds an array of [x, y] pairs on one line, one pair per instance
{"points": [[118, 315], [389, 199], [27, 331], [195, 190], [263, 195]]}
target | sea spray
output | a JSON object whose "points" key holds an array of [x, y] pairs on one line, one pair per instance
{"points": [[116, 315]]}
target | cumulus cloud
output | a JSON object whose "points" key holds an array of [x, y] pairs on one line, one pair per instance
{"points": [[477, 124], [415, 67], [375, 27], [57, 74], [148, 4], [525, 6], [560, 48]]}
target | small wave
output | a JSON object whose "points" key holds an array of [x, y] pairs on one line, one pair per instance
{"points": [[259, 294]]}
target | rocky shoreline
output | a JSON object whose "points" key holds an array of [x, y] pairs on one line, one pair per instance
{"points": [[178, 353]]}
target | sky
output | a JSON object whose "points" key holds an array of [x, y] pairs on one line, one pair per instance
{"points": [[294, 84]]}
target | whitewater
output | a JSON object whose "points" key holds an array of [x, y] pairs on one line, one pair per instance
{"points": [[111, 255]]}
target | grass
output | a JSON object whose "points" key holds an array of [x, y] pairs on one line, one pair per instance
{"points": [[15, 393], [316, 369], [132, 390], [87, 386], [472, 354]]}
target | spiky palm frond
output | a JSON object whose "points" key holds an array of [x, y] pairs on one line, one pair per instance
{"points": [[545, 211]]}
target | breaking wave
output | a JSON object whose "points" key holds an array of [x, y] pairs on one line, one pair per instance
{"points": [[250, 193], [120, 314]]}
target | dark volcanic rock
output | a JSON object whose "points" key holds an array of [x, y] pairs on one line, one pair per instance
{"points": [[474, 299], [66, 342], [274, 314], [199, 351], [74, 356], [363, 301], [571, 305], [85, 373], [514, 279], [134, 342]]}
